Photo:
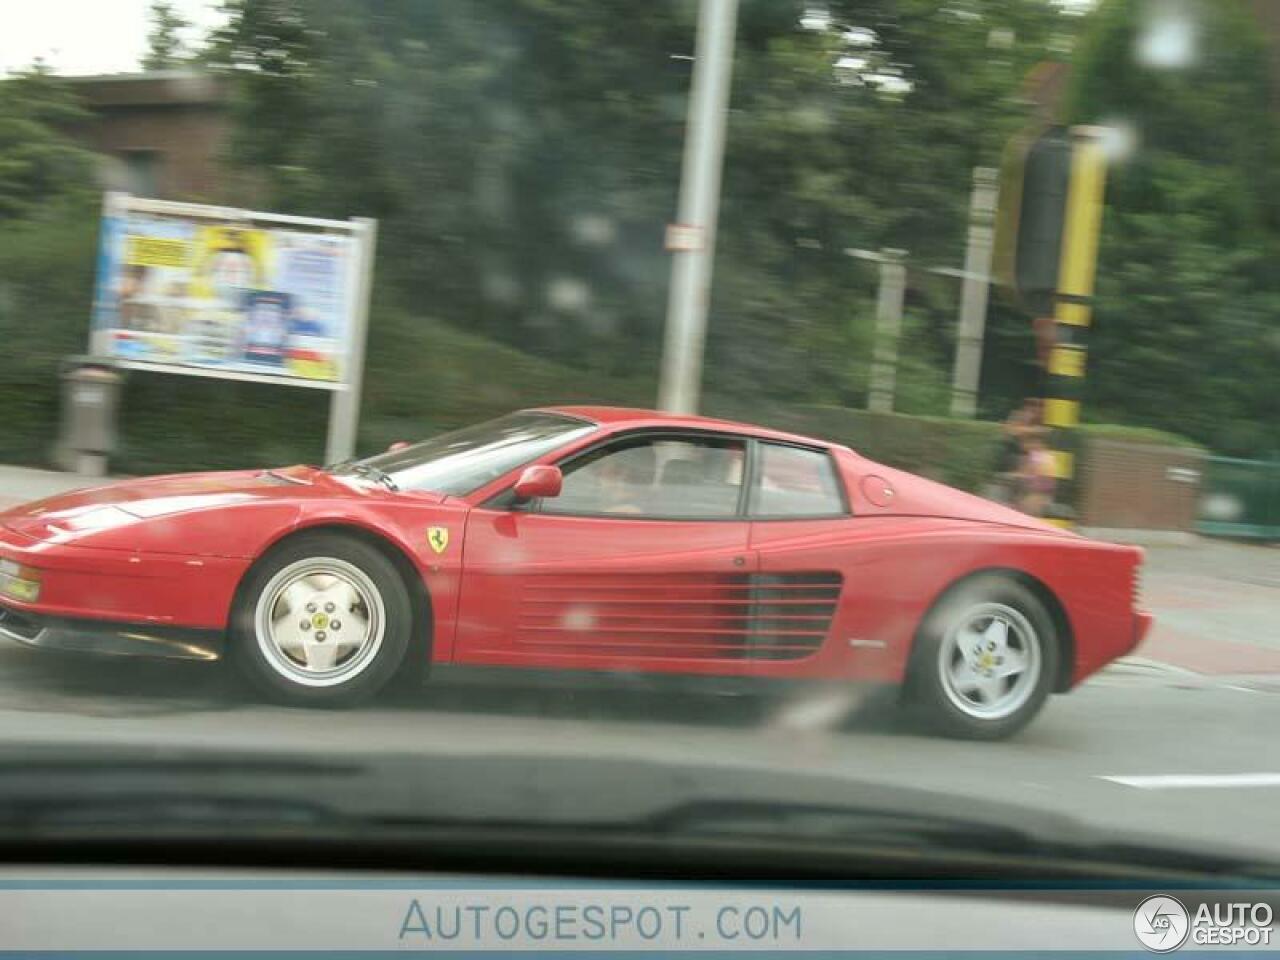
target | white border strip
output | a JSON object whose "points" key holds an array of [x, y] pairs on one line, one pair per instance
{"points": [[175, 208], [1194, 781], [221, 373]]}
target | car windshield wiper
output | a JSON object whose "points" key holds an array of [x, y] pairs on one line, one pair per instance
{"points": [[744, 818], [373, 473], [477, 806], [287, 478]]}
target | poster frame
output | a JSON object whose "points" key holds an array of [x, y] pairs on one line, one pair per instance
{"points": [[345, 392]]}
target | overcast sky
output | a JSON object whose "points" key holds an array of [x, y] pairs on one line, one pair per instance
{"points": [[84, 36], [109, 36]]}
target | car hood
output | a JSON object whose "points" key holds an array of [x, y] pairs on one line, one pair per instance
{"points": [[117, 504]]}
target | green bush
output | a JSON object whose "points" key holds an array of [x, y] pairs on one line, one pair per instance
{"points": [[421, 376], [956, 452], [46, 289]]}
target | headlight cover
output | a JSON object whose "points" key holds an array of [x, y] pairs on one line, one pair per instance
{"points": [[18, 582]]}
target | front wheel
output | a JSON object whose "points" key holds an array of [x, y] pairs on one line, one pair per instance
{"points": [[324, 620], [984, 661]]}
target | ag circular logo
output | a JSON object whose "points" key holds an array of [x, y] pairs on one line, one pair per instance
{"points": [[1161, 923]]}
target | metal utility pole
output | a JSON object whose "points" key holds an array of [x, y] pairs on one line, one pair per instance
{"points": [[973, 298], [884, 365], [692, 238]]}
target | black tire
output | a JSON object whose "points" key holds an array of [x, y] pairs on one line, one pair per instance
{"points": [[936, 700], [376, 668]]}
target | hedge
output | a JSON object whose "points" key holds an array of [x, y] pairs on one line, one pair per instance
{"points": [[961, 453], [422, 376], [955, 452]]}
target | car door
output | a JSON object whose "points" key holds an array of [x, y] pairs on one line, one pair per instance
{"points": [[640, 563], [801, 530]]}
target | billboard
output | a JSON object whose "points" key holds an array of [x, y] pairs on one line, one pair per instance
{"points": [[207, 290]]}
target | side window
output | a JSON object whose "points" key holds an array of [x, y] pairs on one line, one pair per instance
{"points": [[665, 478], [795, 482]]}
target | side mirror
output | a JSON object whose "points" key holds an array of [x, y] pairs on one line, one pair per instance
{"points": [[398, 445], [540, 481]]}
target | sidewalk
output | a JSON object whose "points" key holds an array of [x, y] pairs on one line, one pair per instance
{"points": [[1217, 607], [1217, 603], [20, 484]]}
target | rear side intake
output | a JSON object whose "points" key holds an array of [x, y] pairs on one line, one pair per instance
{"points": [[747, 616]]}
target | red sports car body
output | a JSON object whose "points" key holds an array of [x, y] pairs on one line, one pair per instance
{"points": [[653, 543]]}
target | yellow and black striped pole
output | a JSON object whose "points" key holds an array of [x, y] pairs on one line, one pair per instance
{"points": [[1073, 311]]}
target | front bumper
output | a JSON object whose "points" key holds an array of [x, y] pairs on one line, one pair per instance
{"points": [[107, 637]]}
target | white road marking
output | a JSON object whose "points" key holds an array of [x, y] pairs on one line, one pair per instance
{"points": [[822, 710], [1192, 781]]}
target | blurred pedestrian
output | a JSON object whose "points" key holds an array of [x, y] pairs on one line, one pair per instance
{"points": [[1006, 484], [1037, 473]]}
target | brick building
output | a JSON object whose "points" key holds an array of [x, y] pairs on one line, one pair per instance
{"points": [[160, 134]]}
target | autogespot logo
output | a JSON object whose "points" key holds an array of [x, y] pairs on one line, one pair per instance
{"points": [[1161, 923]]}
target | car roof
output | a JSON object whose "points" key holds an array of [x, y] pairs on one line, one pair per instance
{"points": [[640, 417]]}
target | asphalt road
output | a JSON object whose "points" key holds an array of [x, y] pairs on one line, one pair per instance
{"points": [[1134, 721]]}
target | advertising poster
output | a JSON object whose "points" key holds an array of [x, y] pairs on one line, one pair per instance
{"points": [[248, 299]]}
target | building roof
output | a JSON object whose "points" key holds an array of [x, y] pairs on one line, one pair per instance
{"points": [[152, 89]]}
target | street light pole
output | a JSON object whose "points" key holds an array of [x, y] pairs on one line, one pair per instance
{"points": [[884, 361], [973, 299], [692, 238]]}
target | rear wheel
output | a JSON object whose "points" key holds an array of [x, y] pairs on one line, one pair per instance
{"points": [[985, 660], [324, 620]]}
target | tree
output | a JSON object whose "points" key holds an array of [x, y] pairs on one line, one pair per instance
{"points": [[524, 156], [1184, 324], [817, 165], [166, 47], [40, 164]]}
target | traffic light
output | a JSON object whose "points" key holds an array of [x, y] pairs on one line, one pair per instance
{"points": [[1035, 178], [1048, 228]]}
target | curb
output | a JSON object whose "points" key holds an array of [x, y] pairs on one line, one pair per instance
{"points": [[1141, 538]]}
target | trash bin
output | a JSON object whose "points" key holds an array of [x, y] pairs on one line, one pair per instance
{"points": [[90, 398]]}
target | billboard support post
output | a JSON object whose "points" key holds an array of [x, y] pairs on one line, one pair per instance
{"points": [[344, 405]]}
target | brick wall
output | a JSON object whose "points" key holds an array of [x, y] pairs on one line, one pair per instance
{"points": [[177, 123], [1137, 486], [186, 141]]}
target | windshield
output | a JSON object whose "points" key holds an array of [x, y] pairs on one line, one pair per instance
{"points": [[892, 388], [464, 460]]}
